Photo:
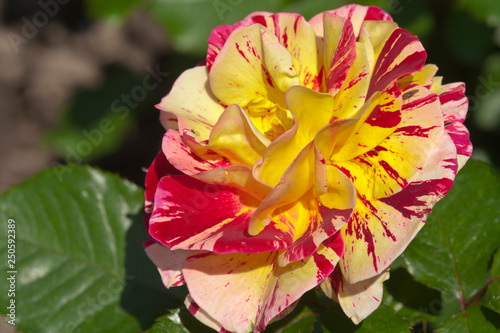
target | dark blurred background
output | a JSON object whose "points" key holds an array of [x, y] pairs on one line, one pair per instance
{"points": [[79, 79]]}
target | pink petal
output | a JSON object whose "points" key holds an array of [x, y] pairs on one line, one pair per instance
{"points": [[184, 159], [454, 102], [460, 136]]}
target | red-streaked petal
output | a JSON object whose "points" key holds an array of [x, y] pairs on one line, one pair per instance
{"points": [[358, 300], [460, 136], [424, 78], [391, 165], [352, 95], [202, 315], [254, 70], [216, 41], [298, 37], [357, 14], [339, 50], [331, 138], [315, 223], [236, 176], [168, 262], [159, 168], [292, 31], [184, 159], [323, 220], [380, 230], [377, 33], [244, 292], [402, 55], [193, 215], [380, 124], [453, 102]]}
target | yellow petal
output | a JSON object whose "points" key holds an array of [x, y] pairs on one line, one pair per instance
{"points": [[251, 70], [236, 137], [288, 190], [192, 101], [303, 103], [424, 77]]}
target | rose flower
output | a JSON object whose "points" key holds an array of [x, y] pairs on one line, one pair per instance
{"points": [[306, 154]]}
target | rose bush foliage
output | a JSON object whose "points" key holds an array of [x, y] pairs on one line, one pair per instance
{"points": [[302, 154]]}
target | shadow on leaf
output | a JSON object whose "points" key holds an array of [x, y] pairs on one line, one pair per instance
{"points": [[144, 295]]}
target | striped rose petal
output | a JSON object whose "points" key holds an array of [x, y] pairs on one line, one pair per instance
{"points": [[381, 229], [253, 70], [460, 136], [243, 292], [182, 157], [401, 55], [391, 165], [358, 300], [339, 50], [292, 31], [355, 13], [302, 145], [159, 168], [188, 216]]}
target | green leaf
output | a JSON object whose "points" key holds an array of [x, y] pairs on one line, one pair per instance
{"points": [[79, 258], [492, 298], [411, 299], [301, 320], [303, 324], [384, 319], [473, 320], [453, 251], [170, 323]]}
